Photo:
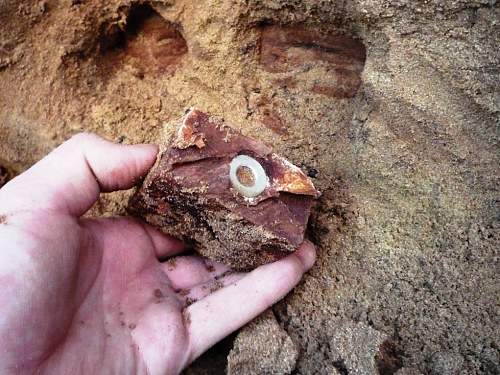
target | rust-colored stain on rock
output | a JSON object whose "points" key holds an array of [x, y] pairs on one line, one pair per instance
{"points": [[187, 136], [296, 49], [205, 209]]}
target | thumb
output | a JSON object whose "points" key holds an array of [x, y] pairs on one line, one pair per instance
{"points": [[71, 177]]}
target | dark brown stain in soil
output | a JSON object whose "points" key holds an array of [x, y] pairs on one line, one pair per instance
{"points": [[389, 358], [341, 367]]}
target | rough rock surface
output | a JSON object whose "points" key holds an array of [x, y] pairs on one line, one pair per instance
{"points": [[262, 347], [189, 195], [407, 230]]}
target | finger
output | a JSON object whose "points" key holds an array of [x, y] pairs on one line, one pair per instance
{"points": [[71, 177], [198, 292], [184, 272], [227, 309], [164, 245], [131, 239]]}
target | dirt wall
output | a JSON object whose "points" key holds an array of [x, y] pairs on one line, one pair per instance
{"points": [[390, 106]]}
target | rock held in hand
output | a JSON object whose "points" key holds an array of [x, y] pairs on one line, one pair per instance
{"points": [[191, 194]]}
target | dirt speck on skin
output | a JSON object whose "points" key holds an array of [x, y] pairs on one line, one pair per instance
{"points": [[215, 286], [157, 293], [403, 140], [187, 317], [172, 263], [210, 267], [132, 326], [224, 274]]}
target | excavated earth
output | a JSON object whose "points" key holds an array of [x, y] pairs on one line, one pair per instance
{"points": [[391, 106]]}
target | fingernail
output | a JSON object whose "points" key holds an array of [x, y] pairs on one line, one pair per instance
{"points": [[307, 254]]}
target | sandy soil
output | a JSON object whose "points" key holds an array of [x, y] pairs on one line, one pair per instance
{"points": [[392, 108]]}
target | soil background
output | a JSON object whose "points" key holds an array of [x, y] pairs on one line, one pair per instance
{"points": [[390, 106]]}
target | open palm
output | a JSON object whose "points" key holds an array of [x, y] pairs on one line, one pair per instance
{"points": [[91, 295]]}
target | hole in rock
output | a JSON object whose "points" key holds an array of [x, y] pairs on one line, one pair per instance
{"points": [[145, 41]]}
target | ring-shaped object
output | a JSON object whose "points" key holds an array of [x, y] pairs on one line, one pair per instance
{"points": [[260, 179]]}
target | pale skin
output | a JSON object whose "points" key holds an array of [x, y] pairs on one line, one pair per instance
{"points": [[91, 296]]}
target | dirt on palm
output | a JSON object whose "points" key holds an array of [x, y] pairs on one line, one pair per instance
{"points": [[390, 106]]}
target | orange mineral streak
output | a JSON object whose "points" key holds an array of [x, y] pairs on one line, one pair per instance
{"points": [[297, 183], [188, 136], [293, 180]]}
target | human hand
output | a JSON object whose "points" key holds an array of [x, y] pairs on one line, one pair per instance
{"points": [[90, 296]]}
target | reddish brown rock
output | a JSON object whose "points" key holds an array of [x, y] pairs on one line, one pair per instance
{"points": [[296, 49], [189, 195]]}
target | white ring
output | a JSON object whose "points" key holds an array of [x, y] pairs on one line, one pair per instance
{"points": [[259, 174]]}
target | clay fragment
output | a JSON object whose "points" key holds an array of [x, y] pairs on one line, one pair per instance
{"points": [[189, 195]]}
